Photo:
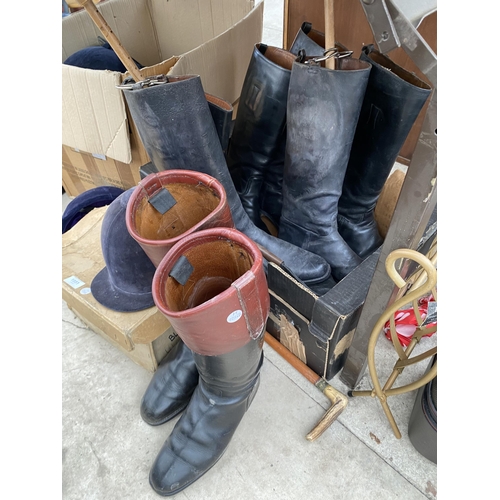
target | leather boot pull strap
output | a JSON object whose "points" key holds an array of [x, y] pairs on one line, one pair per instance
{"points": [[182, 270], [306, 27], [250, 298], [367, 49], [301, 55], [162, 201]]}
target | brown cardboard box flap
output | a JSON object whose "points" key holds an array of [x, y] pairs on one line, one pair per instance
{"points": [[387, 200], [222, 62], [182, 26], [152, 32], [130, 21], [90, 98]]}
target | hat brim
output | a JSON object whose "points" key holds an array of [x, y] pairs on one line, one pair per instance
{"points": [[118, 300]]}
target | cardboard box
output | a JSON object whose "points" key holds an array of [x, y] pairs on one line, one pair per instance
{"points": [[212, 39], [318, 329], [82, 171], [144, 336]]}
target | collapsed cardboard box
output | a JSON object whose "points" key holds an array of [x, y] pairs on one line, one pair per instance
{"points": [[144, 336], [212, 39]]}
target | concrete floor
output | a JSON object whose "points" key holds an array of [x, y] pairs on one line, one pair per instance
{"points": [[108, 450]]}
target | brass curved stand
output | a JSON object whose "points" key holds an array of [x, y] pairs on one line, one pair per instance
{"points": [[419, 288]]}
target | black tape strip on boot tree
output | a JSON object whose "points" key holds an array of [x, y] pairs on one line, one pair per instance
{"points": [[162, 201], [181, 270]]}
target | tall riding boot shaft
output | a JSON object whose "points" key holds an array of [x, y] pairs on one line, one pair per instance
{"points": [[271, 198], [323, 109], [394, 97], [164, 208], [175, 125], [212, 288], [167, 206], [257, 147], [222, 115]]}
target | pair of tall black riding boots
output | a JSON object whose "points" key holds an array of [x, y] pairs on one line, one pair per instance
{"points": [[312, 147], [299, 128]]}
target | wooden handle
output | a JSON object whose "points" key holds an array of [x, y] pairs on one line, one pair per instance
{"points": [[111, 38], [299, 365], [339, 402], [329, 32]]}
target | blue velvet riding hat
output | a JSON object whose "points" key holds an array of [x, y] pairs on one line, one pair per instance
{"points": [[82, 204], [98, 57], [125, 283]]}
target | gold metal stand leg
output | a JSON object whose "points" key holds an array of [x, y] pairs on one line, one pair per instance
{"points": [[422, 288]]}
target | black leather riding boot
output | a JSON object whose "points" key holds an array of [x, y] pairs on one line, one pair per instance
{"points": [[171, 387], [323, 109], [212, 288], [175, 125], [392, 102], [228, 384], [257, 147], [311, 41], [271, 198], [222, 115]]}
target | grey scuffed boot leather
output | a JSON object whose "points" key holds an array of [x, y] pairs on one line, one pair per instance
{"points": [[323, 109], [175, 125]]}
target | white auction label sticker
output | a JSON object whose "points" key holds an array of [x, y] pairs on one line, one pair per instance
{"points": [[234, 316], [74, 282]]}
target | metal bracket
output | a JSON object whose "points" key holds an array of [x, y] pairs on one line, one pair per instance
{"points": [[391, 29], [381, 24], [418, 197], [413, 43]]}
